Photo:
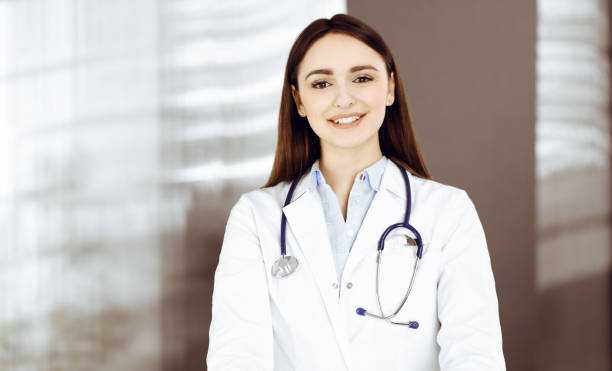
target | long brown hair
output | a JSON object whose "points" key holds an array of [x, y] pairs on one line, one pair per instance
{"points": [[298, 147]]}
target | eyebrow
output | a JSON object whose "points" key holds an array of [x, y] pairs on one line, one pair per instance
{"points": [[326, 71]]}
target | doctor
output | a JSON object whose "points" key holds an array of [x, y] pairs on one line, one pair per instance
{"points": [[347, 167]]}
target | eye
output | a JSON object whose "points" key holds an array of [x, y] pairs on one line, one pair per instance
{"points": [[317, 84], [365, 78]]}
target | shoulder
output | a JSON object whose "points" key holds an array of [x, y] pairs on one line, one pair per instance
{"points": [[262, 201], [446, 206], [274, 195], [432, 191]]}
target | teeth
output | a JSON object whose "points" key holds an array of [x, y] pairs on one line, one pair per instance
{"points": [[346, 120]]}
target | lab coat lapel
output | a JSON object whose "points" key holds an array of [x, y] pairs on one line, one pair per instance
{"points": [[306, 220], [388, 207]]}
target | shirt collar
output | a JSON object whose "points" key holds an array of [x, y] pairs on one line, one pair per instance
{"points": [[372, 174]]}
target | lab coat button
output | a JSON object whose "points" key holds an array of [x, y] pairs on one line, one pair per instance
{"points": [[335, 285], [349, 285]]}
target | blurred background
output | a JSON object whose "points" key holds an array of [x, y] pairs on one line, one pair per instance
{"points": [[128, 130]]}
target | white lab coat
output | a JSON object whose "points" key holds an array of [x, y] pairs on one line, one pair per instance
{"points": [[307, 321]]}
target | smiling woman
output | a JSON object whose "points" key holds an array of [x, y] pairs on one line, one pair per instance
{"points": [[300, 270], [333, 93], [336, 96]]}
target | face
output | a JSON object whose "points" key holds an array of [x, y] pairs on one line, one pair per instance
{"points": [[342, 77]]}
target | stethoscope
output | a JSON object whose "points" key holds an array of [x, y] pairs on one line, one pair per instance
{"points": [[285, 265]]}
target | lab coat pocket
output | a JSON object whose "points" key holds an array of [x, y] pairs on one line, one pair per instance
{"points": [[398, 262], [403, 243]]}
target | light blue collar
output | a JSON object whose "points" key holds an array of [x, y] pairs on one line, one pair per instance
{"points": [[373, 174]]}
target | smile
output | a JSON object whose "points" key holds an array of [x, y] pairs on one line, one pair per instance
{"points": [[347, 122]]}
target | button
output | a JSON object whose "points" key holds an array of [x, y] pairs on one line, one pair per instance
{"points": [[350, 232], [335, 285], [349, 285]]}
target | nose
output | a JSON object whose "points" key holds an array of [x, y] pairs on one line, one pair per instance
{"points": [[344, 98]]}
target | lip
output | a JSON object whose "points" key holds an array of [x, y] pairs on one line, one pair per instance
{"points": [[345, 115], [348, 126]]}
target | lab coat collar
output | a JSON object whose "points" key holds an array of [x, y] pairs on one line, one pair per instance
{"points": [[306, 222], [393, 181]]}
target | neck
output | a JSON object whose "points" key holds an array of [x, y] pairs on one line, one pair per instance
{"points": [[340, 166]]}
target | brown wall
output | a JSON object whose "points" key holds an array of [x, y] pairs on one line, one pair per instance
{"points": [[469, 73]]}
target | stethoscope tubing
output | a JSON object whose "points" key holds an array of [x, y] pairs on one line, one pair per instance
{"points": [[282, 266], [284, 218], [401, 305]]}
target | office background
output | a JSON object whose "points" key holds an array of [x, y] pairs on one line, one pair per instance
{"points": [[128, 129]]}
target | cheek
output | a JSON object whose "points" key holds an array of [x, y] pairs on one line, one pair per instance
{"points": [[373, 96], [314, 102], [376, 97], [317, 108]]}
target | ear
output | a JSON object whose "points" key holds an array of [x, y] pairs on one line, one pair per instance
{"points": [[391, 90], [296, 98]]}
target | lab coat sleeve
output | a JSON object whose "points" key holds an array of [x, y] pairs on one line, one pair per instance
{"points": [[470, 333], [240, 336]]}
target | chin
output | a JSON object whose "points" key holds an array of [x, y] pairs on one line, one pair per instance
{"points": [[350, 144]]}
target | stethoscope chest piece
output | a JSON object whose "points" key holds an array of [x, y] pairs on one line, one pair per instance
{"points": [[284, 266]]}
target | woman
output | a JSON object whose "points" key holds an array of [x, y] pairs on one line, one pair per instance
{"points": [[347, 167]]}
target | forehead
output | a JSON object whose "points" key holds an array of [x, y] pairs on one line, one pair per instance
{"points": [[339, 53]]}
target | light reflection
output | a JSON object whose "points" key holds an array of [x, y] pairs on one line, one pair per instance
{"points": [[235, 128], [250, 48], [572, 142], [218, 171], [255, 88]]}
